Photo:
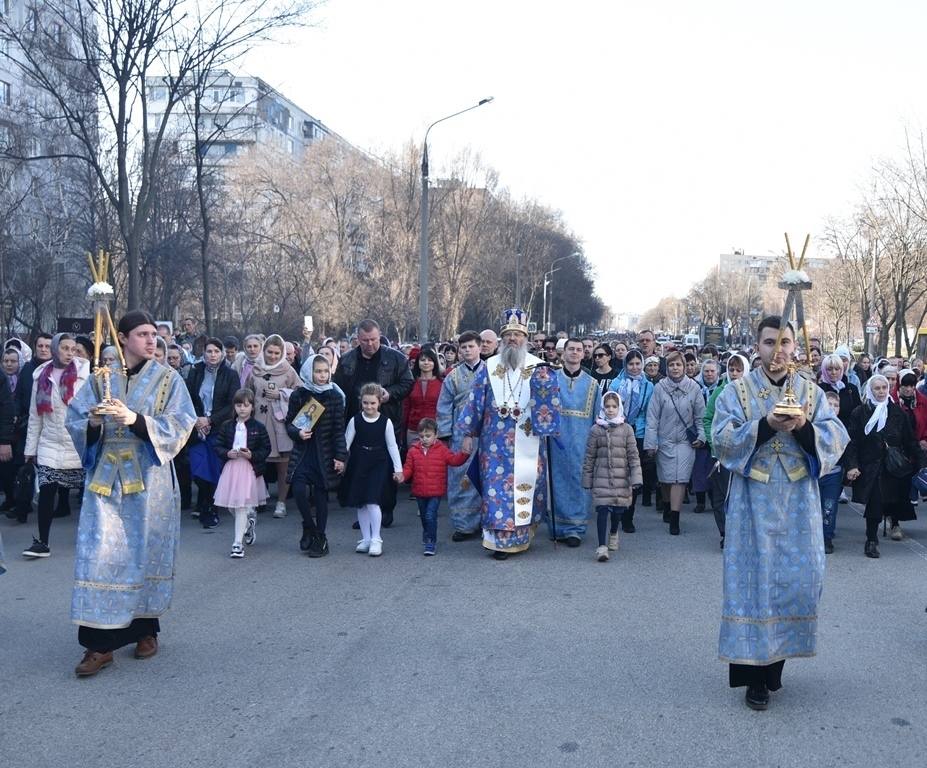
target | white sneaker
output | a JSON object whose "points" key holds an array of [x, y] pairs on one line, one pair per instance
{"points": [[280, 510], [896, 534], [612, 542], [363, 546], [376, 547], [249, 532], [601, 554], [237, 551]]}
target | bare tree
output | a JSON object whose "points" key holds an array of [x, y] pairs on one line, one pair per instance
{"points": [[104, 51]]}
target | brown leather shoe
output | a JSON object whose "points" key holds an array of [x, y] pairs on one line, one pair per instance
{"points": [[146, 647], [92, 663]]}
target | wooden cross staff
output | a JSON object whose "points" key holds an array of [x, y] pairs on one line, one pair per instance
{"points": [[794, 298]]}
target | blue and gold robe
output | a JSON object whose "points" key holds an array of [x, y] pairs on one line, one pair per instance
{"points": [[580, 400], [774, 545], [130, 516], [513, 465], [463, 500]]}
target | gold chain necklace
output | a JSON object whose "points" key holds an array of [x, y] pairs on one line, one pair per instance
{"points": [[514, 408]]}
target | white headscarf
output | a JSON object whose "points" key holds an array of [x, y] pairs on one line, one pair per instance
{"points": [[880, 408], [603, 420]]}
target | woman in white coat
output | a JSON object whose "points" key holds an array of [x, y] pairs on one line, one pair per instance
{"points": [[48, 443], [675, 429]]}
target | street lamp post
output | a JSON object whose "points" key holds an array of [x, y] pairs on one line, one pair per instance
{"points": [[549, 302], [423, 229]]}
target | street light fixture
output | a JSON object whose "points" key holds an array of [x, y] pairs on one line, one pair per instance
{"points": [[549, 298], [423, 230]]}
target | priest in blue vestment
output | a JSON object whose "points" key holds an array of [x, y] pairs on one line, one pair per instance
{"points": [[773, 546], [463, 500], [130, 516], [580, 401], [513, 406]]}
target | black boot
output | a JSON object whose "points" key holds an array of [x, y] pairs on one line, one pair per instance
{"points": [[318, 547], [674, 523], [627, 522], [757, 697], [306, 541], [666, 515]]}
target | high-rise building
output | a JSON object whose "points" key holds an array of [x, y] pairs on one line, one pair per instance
{"points": [[761, 268], [237, 113]]}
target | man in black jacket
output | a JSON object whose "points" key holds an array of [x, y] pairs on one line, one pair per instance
{"points": [[371, 362]]}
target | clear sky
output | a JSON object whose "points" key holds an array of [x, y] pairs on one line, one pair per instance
{"points": [[666, 132]]}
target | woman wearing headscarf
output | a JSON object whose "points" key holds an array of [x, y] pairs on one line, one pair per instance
{"points": [[707, 380], [719, 477], [12, 366], [212, 386], [249, 357], [652, 369], [833, 378], [319, 452], [273, 379], [675, 428], [635, 390], [843, 352], [330, 352], [160, 351], [48, 444], [882, 457]]}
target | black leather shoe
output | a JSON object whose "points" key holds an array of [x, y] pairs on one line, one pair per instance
{"points": [[387, 520], [306, 541], [699, 508], [666, 516], [355, 525], [646, 502], [572, 541], [500, 555], [628, 527], [828, 546], [757, 697], [674, 523], [871, 549], [461, 536]]}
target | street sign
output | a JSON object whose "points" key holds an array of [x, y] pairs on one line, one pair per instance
{"points": [[872, 329]]}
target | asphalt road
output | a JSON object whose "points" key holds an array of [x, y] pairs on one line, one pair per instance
{"points": [[547, 659]]}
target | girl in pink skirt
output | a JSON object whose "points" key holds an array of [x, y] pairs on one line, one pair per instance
{"points": [[243, 444]]}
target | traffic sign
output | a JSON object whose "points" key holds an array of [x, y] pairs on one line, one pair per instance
{"points": [[872, 329]]}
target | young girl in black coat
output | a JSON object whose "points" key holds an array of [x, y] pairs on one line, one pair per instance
{"points": [[319, 454], [244, 445]]}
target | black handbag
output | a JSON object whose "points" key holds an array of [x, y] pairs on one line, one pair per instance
{"points": [[691, 432], [896, 463], [24, 485]]}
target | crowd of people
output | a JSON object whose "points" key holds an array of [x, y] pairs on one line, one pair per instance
{"points": [[513, 431]]}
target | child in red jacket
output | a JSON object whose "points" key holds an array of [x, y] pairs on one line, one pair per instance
{"points": [[426, 466]]}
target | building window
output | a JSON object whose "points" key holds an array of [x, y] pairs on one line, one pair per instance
{"points": [[5, 93], [157, 94], [235, 92], [4, 7]]}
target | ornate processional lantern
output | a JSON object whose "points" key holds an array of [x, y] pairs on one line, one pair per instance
{"points": [[102, 295]]}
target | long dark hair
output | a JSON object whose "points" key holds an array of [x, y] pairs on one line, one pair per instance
{"points": [[430, 353]]}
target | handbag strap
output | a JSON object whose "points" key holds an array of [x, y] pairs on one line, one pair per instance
{"points": [[673, 401]]}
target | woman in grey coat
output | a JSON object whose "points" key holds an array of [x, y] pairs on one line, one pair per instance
{"points": [[674, 430]]}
